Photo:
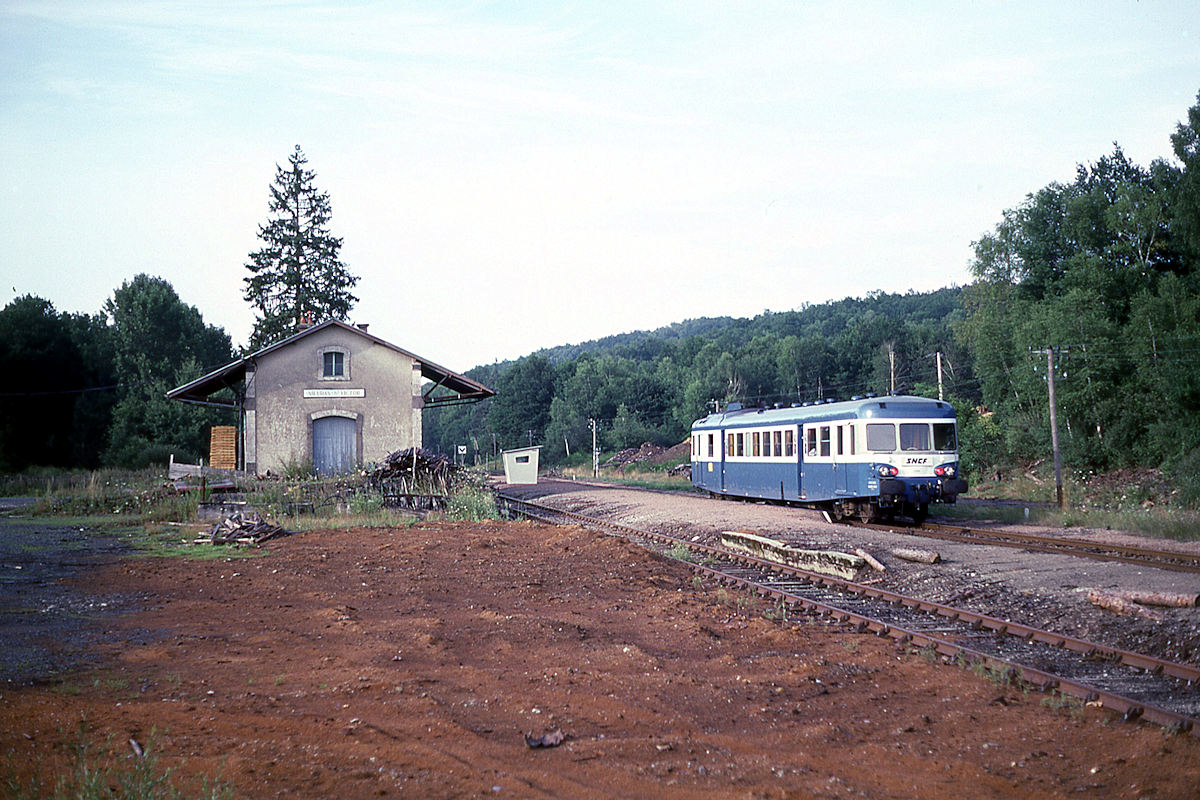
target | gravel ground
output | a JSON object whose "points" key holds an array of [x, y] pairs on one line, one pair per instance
{"points": [[1039, 589]]}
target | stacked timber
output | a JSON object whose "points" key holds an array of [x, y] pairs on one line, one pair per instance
{"points": [[242, 528], [414, 478], [222, 447]]}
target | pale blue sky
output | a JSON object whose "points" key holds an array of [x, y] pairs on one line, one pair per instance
{"points": [[610, 166]]}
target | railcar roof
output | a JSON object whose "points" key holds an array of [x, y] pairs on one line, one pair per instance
{"points": [[891, 407]]}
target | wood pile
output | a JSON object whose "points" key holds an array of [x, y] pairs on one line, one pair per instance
{"points": [[413, 471], [242, 528]]}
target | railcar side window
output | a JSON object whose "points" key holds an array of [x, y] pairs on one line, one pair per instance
{"points": [[840, 440], [810, 443], [756, 452], [778, 443], [710, 445], [914, 436], [741, 444], [825, 440], [729, 446], [881, 437], [789, 444], [944, 437]]}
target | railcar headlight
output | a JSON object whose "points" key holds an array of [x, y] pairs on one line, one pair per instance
{"points": [[888, 471], [944, 471]]}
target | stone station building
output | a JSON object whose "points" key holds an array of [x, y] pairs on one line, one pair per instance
{"points": [[332, 393]]}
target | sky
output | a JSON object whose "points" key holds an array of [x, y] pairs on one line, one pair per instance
{"points": [[518, 175]]}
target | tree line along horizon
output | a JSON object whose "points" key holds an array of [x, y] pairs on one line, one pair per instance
{"points": [[1104, 270]]}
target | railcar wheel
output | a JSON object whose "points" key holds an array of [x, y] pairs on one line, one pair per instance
{"points": [[877, 515]]}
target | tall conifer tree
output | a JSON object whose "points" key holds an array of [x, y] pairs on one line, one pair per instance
{"points": [[297, 274]]}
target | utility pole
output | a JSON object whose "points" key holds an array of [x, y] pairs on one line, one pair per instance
{"points": [[595, 452], [941, 394], [1058, 486]]}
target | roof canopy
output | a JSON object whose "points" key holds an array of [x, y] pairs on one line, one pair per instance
{"points": [[201, 390]]}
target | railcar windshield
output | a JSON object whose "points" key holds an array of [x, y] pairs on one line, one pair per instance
{"points": [[914, 436], [944, 436]]}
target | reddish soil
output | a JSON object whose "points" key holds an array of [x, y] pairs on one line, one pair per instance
{"points": [[411, 662]]}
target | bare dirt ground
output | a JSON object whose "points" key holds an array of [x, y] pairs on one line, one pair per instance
{"points": [[412, 662]]}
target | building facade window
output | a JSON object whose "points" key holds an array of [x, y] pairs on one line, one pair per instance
{"points": [[333, 364]]}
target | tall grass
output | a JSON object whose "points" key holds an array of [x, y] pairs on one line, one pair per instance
{"points": [[93, 774], [1164, 523], [472, 502]]}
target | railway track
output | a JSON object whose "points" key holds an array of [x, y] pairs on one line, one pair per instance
{"points": [[1082, 548], [1134, 685]]}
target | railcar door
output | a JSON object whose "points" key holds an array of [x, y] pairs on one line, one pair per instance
{"points": [[843, 449], [817, 476], [724, 455]]}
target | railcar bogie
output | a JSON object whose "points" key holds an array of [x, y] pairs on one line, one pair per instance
{"points": [[869, 458]]}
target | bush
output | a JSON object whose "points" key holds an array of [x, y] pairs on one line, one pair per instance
{"points": [[1184, 473]]}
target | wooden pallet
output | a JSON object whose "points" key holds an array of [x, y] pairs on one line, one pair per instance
{"points": [[222, 447]]}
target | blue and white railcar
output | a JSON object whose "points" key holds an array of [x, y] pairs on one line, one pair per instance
{"points": [[869, 458]]}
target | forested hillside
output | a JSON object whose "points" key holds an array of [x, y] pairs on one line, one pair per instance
{"points": [[1102, 272], [650, 386]]}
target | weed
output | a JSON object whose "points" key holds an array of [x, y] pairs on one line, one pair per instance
{"points": [[1058, 701], [778, 612], [929, 653], [472, 503], [96, 774], [697, 582], [747, 604], [997, 673], [850, 646], [681, 552], [384, 518], [296, 467]]}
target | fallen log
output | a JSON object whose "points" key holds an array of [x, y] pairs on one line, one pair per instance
{"points": [[1119, 605], [827, 562], [872, 562], [913, 554], [1164, 599]]}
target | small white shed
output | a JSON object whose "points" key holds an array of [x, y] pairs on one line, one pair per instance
{"points": [[521, 465]]}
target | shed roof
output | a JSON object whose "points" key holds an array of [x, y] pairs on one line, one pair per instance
{"points": [[465, 389]]}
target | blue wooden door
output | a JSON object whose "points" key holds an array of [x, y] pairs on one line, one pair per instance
{"points": [[333, 445]]}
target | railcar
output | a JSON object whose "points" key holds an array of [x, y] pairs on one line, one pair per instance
{"points": [[868, 458]]}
